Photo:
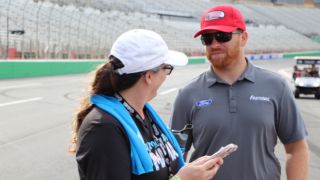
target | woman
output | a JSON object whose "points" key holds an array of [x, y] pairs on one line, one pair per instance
{"points": [[117, 133]]}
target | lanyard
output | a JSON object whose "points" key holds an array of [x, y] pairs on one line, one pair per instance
{"points": [[154, 129], [131, 110]]}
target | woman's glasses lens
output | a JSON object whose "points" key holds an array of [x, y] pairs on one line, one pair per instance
{"points": [[168, 68], [221, 37]]}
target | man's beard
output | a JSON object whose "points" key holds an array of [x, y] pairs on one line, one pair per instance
{"points": [[218, 60], [222, 59]]}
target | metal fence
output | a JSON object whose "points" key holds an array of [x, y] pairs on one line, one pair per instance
{"points": [[38, 29], [85, 29]]}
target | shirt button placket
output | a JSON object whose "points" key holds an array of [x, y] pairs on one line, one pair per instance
{"points": [[232, 101]]}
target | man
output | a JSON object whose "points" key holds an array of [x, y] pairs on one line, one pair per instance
{"points": [[237, 102], [314, 72]]}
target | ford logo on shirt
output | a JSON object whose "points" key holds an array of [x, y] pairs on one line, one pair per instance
{"points": [[204, 103]]}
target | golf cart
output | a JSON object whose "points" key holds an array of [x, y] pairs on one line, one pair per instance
{"points": [[306, 76]]}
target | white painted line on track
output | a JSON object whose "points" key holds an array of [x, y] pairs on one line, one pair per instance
{"points": [[20, 86], [168, 91], [20, 101]]}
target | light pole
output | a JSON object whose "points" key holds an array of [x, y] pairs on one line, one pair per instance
{"points": [[93, 37], [69, 33], [7, 48], [60, 48], [87, 45], [101, 34], [23, 14], [49, 31], [37, 31], [96, 34], [78, 32]]}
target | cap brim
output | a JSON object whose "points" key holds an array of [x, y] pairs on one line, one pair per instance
{"points": [[176, 58], [215, 28]]}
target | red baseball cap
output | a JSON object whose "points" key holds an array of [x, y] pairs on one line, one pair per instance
{"points": [[223, 18]]}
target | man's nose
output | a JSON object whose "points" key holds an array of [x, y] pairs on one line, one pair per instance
{"points": [[214, 43]]}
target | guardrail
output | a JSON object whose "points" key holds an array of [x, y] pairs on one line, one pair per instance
{"points": [[36, 68]]}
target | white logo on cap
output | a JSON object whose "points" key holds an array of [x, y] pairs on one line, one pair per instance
{"points": [[214, 15]]}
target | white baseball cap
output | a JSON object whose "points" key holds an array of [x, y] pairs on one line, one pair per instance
{"points": [[140, 50]]}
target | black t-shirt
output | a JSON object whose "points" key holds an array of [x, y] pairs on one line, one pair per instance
{"points": [[103, 149]]}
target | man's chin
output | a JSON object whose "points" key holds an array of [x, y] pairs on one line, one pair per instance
{"points": [[217, 61], [217, 57]]}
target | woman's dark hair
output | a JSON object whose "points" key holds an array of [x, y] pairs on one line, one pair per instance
{"points": [[106, 81]]}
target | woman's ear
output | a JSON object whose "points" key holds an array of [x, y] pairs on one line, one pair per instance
{"points": [[148, 77]]}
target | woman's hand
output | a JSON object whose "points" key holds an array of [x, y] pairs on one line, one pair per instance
{"points": [[203, 168]]}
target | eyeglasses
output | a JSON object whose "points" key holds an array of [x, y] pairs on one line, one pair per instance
{"points": [[167, 67], [221, 37]]}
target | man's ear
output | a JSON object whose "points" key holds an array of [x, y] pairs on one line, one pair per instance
{"points": [[244, 38]]}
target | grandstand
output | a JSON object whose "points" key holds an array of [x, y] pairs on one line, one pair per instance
{"points": [[83, 29]]}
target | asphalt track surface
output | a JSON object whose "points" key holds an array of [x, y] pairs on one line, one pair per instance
{"points": [[36, 114]]}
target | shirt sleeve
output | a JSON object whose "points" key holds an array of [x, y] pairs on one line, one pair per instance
{"points": [[103, 152], [290, 125], [181, 112]]}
